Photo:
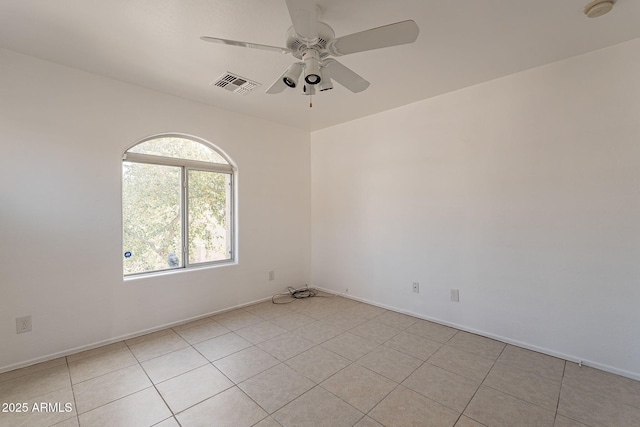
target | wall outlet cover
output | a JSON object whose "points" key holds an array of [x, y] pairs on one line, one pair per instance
{"points": [[23, 324]]}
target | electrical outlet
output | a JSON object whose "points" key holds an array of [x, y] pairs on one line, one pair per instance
{"points": [[272, 275], [416, 287], [455, 295], [23, 324]]}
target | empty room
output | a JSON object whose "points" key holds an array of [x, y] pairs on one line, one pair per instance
{"points": [[320, 213]]}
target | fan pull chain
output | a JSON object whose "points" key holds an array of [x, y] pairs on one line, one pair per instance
{"points": [[310, 101]]}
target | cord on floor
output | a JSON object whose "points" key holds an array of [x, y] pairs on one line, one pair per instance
{"points": [[300, 293]]}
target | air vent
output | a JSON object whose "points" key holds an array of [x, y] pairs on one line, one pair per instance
{"points": [[234, 83]]}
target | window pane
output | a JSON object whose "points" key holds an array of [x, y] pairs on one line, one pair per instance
{"points": [[209, 199], [151, 217], [179, 148]]}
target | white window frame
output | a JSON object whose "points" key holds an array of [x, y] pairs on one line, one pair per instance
{"points": [[186, 165]]}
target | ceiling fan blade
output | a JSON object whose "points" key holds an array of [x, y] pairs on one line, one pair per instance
{"points": [[278, 86], [304, 17], [245, 44], [345, 76], [386, 36]]}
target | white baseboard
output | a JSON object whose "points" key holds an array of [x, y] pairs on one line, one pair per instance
{"points": [[120, 338]]}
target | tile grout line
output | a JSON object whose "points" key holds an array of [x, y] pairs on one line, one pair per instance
{"points": [[564, 368], [73, 392], [152, 384], [481, 384]]}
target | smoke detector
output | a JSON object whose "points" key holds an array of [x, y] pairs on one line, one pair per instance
{"points": [[234, 83], [598, 8]]}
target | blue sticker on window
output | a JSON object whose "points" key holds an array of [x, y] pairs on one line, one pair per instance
{"points": [[127, 254]]}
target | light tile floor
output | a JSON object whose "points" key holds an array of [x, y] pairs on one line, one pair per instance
{"points": [[315, 362]]}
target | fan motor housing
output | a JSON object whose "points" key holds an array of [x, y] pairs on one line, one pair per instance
{"points": [[298, 46]]}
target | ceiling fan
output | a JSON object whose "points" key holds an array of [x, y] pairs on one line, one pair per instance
{"points": [[313, 42]]}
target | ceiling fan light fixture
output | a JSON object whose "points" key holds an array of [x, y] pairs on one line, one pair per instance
{"points": [[598, 8], [292, 75], [325, 82], [311, 60], [308, 90]]}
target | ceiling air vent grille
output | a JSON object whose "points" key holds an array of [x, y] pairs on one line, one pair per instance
{"points": [[234, 83]]}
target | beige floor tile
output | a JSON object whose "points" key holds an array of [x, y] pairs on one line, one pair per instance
{"points": [[292, 320], [524, 385], [452, 390], [345, 320], [432, 331], [5, 376], [609, 385], [286, 346], [144, 408], [71, 422], [475, 344], [395, 320], [468, 422], [404, 407], [293, 358], [317, 311], [366, 311], [150, 336], [376, 332], [195, 386], [342, 303], [268, 310], [461, 363], [359, 387], [567, 422], [237, 319], [595, 410], [245, 364], [192, 324], [202, 332], [98, 350], [368, 422], [317, 364], [531, 361], [173, 364], [268, 422], [231, 408], [100, 364], [318, 332], [390, 363], [149, 349], [35, 384], [222, 346], [318, 408], [169, 422], [259, 332], [414, 345], [494, 408], [34, 414], [350, 346], [101, 390], [276, 387]]}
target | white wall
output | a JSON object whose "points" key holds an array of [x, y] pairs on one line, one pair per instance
{"points": [[523, 192], [62, 135]]}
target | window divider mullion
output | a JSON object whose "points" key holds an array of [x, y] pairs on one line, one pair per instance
{"points": [[185, 222]]}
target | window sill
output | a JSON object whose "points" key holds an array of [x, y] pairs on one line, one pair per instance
{"points": [[134, 277]]}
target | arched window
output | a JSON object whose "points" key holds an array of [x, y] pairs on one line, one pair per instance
{"points": [[177, 200]]}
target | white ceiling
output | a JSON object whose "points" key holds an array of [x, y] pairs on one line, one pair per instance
{"points": [[156, 44]]}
